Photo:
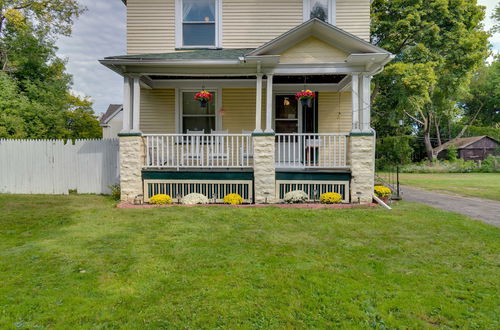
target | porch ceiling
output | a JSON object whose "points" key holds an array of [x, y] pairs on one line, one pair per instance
{"points": [[285, 79]]}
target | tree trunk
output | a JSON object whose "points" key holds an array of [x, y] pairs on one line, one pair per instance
{"points": [[428, 146], [438, 134]]}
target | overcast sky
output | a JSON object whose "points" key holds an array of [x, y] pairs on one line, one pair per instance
{"points": [[100, 32]]}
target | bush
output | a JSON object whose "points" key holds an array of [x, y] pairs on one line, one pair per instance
{"points": [[160, 199], [382, 191], [194, 199], [296, 197], [452, 153], [490, 164], [330, 198], [233, 199], [393, 150], [116, 193]]}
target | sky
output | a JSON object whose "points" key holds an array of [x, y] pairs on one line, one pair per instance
{"points": [[100, 32]]}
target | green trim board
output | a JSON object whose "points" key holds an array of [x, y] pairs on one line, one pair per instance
{"points": [[361, 134], [162, 175], [263, 134], [304, 176], [129, 134]]}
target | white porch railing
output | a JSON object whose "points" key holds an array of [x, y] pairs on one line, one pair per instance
{"points": [[199, 151], [327, 151]]}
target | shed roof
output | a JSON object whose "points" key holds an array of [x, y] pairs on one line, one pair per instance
{"points": [[465, 142], [202, 54]]}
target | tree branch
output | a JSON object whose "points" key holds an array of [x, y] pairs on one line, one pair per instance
{"points": [[414, 118]]}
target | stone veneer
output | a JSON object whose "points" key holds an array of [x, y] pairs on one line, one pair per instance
{"points": [[362, 152], [132, 155], [264, 168]]}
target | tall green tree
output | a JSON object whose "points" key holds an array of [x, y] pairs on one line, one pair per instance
{"points": [[438, 44]]}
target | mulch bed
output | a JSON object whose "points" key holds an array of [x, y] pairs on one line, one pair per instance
{"points": [[128, 205]]}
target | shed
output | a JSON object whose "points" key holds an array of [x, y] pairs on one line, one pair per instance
{"points": [[472, 148]]}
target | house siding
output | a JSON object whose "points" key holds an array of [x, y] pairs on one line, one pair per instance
{"points": [[150, 26], [249, 24], [245, 24], [239, 109], [312, 50], [353, 16], [334, 112], [158, 111]]}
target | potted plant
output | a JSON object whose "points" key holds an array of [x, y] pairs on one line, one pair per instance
{"points": [[305, 97], [383, 193], [203, 97]]}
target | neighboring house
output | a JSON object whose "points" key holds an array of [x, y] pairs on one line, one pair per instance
{"points": [[253, 137], [472, 148], [112, 121]]}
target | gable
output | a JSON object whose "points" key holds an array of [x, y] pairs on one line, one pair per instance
{"points": [[313, 50]]}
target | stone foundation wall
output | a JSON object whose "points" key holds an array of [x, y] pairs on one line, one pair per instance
{"points": [[362, 155], [132, 154], [264, 169]]}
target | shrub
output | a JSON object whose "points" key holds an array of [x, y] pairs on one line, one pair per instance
{"points": [[194, 199], [393, 150], [330, 198], [115, 192], [233, 199], [160, 199], [382, 191], [452, 153], [296, 197]]}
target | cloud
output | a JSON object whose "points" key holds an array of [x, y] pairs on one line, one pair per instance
{"points": [[100, 32]]}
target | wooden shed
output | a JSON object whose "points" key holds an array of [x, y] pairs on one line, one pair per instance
{"points": [[472, 148]]}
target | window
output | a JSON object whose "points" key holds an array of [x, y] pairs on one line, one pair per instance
{"points": [[197, 24], [321, 9], [196, 118]]}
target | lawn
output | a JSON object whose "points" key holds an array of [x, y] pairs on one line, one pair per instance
{"points": [[484, 185], [77, 262]]}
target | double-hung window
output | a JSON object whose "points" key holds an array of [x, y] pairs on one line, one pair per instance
{"points": [[198, 23], [321, 9], [195, 117]]}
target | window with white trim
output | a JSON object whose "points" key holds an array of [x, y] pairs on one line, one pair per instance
{"points": [[198, 23], [195, 117], [320, 9]]}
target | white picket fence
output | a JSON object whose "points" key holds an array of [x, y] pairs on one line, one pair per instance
{"points": [[57, 166]]}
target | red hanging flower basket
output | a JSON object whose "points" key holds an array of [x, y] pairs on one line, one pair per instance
{"points": [[203, 97]]}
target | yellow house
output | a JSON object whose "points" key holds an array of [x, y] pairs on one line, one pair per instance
{"points": [[253, 134]]}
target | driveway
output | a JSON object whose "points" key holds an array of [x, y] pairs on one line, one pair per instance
{"points": [[477, 208]]}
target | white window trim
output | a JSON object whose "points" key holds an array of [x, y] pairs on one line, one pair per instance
{"points": [[332, 11], [179, 32], [180, 111]]}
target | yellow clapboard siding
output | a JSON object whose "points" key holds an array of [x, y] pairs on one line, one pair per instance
{"points": [[158, 111], [150, 26], [249, 24], [312, 50], [334, 112], [239, 109], [353, 16]]}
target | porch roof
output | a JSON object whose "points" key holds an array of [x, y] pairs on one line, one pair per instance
{"points": [[202, 54]]}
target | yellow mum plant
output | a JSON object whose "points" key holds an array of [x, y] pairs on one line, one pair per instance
{"points": [[382, 191], [233, 199], [160, 199], [330, 198]]}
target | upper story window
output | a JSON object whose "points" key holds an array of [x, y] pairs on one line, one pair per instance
{"points": [[198, 23], [321, 9]]}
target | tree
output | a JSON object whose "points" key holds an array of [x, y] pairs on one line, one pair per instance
{"points": [[438, 44], [496, 17], [81, 121], [482, 105]]}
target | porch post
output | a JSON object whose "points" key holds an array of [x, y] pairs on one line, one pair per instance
{"points": [[126, 105], [355, 103], [258, 105], [136, 105], [269, 104], [365, 88]]}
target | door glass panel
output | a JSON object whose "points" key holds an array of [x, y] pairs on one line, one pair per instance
{"points": [[287, 114]]}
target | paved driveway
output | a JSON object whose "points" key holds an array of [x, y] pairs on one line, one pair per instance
{"points": [[482, 209]]}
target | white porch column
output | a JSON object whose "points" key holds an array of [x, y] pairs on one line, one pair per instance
{"points": [[126, 105], [269, 104], [365, 108], [258, 105], [136, 105], [355, 103]]}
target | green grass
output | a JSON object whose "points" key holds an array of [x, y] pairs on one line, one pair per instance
{"points": [[484, 185], [77, 262]]}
